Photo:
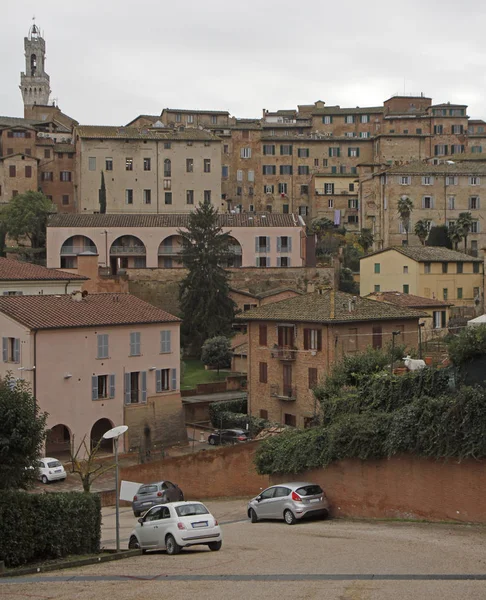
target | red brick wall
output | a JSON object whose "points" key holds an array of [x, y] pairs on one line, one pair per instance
{"points": [[227, 471], [400, 487]]}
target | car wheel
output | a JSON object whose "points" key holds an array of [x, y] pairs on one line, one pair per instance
{"points": [[212, 441], [215, 546], [253, 516], [136, 513], [171, 545], [133, 543], [289, 517], [44, 479]]}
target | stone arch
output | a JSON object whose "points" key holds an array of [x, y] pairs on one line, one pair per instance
{"points": [[169, 252], [235, 253], [127, 252], [99, 428], [72, 247], [58, 440]]}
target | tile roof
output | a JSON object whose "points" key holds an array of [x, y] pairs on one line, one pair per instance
{"points": [[315, 137], [316, 308], [18, 122], [16, 270], [95, 310], [186, 111], [152, 118], [448, 105], [171, 220], [267, 294], [135, 133], [407, 300], [337, 110], [468, 167], [428, 254], [240, 349]]}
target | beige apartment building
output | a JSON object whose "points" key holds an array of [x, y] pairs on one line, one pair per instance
{"points": [[293, 344], [426, 271], [147, 170], [439, 193]]}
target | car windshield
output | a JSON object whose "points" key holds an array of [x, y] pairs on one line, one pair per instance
{"points": [[53, 463], [309, 490], [188, 510], [147, 489]]}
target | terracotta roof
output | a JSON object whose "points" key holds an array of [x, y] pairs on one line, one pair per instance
{"points": [[468, 167], [186, 111], [240, 349], [152, 118], [27, 156], [18, 122], [16, 270], [267, 294], [429, 254], [95, 310], [136, 133], [410, 300], [337, 110], [448, 105], [314, 137], [316, 308], [172, 220]]}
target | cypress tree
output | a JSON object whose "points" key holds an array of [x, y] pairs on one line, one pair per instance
{"points": [[102, 194]]}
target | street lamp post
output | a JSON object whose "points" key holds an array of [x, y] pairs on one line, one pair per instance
{"points": [[114, 434]]}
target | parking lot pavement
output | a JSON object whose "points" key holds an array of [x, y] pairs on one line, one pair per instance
{"points": [[331, 560]]}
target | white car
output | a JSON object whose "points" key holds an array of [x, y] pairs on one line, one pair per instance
{"points": [[174, 526], [50, 469]]}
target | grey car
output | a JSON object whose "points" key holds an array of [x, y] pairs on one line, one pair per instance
{"points": [[290, 502], [150, 494]]}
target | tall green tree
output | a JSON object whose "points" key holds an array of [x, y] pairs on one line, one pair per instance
{"points": [[26, 216], [366, 239], [405, 208], [206, 306], [438, 236], [22, 434], [455, 234], [464, 223], [422, 229], [102, 198]]}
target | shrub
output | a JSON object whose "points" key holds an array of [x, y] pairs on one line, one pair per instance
{"points": [[469, 344], [37, 527], [233, 406]]}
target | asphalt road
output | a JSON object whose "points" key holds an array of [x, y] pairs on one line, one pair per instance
{"points": [[331, 560]]}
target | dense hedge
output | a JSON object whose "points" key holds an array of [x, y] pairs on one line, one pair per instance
{"points": [[37, 527], [226, 406]]}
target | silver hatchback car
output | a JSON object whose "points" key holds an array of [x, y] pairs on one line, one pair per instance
{"points": [[290, 502]]}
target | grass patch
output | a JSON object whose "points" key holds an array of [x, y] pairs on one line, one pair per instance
{"points": [[195, 373]]}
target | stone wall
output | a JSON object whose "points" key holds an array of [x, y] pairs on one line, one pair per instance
{"points": [[161, 286]]}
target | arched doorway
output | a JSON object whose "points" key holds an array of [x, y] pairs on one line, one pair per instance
{"points": [[127, 252], [169, 252], [58, 441], [72, 247], [234, 258], [99, 428]]}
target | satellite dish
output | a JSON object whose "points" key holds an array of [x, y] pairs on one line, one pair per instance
{"points": [[115, 432]]}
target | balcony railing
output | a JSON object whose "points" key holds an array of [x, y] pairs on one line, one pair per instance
{"points": [[169, 250], [75, 250], [286, 393], [284, 353], [128, 250]]}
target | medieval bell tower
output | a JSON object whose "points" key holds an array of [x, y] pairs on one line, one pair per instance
{"points": [[34, 83]]}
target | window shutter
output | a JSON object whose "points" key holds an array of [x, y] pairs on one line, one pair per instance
{"points": [[5, 349], [339, 152], [112, 386], [319, 339], [16, 350], [279, 261], [257, 262], [168, 341], [281, 149], [279, 244], [174, 378], [256, 244], [143, 376], [268, 244], [262, 335], [289, 242], [288, 261], [94, 387], [100, 346], [330, 152], [357, 151], [158, 380], [306, 339], [127, 388]]}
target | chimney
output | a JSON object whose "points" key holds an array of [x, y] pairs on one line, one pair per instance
{"points": [[332, 303]]}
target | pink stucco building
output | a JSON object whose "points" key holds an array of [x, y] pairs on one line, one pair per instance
{"points": [[152, 241], [94, 362]]}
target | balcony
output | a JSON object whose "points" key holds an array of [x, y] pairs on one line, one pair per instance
{"points": [[170, 250], [75, 250], [286, 394], [127, 250], [284, 353], [236, 250]]}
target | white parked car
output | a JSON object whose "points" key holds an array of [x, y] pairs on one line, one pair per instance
{"points": [[50, 469], [174, 526]]}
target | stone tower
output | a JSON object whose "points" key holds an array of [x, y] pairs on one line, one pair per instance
{"points": [[34, 83]]}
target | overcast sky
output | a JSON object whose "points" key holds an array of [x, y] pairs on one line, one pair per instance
{"points": [[111, 60]]}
